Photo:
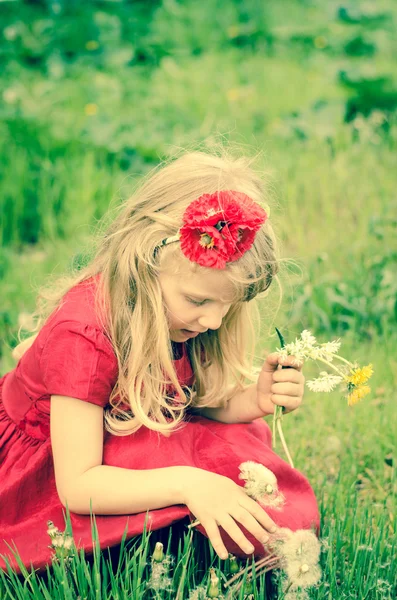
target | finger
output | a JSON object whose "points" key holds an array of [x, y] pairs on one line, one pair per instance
{"points": [[251, 524], [274, 360], [287, 389], [214, 536], [292, 375], [234, 531], [290, 403], [260, 515], [292, 361]]}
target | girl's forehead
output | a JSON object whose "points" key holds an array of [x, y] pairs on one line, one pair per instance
{"points": [[199, 281], [213, 284]]}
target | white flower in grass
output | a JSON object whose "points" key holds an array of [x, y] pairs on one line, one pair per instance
{"points": [[199, 593], [325, 383], [301, 545], [300, 553], [261, 484], [161, 563], [302, 575]]}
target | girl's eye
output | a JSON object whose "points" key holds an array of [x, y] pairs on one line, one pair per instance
{"points": [[195, 302]]}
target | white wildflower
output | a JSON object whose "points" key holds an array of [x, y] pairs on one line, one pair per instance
{"points": [[325, 383], [308, 338], [330, 348], [261, 484]]}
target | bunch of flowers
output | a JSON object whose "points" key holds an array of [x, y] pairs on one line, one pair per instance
{"points": [[350, 376]]}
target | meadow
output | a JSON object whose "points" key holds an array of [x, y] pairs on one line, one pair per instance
{"points": [[95, 94]]}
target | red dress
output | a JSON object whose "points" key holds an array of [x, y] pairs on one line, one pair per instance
{"points": [[72, 357]]}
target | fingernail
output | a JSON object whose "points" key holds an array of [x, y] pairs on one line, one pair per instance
{"points": [[273, 529], [265, 539], [249, 549]]}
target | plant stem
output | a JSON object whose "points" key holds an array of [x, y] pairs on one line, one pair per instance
{"points": [[284, 443]]}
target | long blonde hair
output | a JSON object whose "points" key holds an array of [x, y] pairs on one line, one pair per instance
{"points": [[129, 295]]}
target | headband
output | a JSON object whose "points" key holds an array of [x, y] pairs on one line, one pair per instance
{"points": [[218, 228]]}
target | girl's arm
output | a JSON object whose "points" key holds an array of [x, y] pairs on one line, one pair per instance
{"points": [[20, 350], [275, 386], [241, 408], [77, 445]]}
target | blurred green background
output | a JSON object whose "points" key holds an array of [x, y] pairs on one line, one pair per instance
{"points": [[94, 94]]}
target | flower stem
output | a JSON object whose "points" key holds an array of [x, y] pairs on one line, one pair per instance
{"points": [[326, 362], [284, 443]]}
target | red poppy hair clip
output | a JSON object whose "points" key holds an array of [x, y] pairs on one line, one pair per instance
{"points": [[218, 228]]}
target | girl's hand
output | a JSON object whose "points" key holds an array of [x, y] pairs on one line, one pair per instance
{"points": [[276, 385], [216, 500]]}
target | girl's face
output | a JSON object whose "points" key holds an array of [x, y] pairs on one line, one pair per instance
{"points": [[195, 301]]}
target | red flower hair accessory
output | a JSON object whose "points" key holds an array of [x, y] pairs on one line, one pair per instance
{"points": [[219, 228]]}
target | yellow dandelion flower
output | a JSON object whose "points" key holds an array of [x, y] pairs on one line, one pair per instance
{"points": [[361, 375], [320, 42], [233, 94], [92, 45], [90, 109], [233, 31], [358, 394]]}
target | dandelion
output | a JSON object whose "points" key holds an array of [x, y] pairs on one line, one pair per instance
{"points": [[358, 376], [234, 568], [358, 394], [199, 593], [302, 575], [158, 554], [261, 484], [300, 545], [214, 590], [52, 530], [90, 109], [92, 45], [159, 577]]}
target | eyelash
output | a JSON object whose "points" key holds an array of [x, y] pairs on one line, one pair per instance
{"points": [[194, 302]]}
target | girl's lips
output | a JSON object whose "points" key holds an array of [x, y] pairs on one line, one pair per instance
{"points": [[190, 334]]}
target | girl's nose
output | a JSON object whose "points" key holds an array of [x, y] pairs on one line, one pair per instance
{"points": [[212, 319]]}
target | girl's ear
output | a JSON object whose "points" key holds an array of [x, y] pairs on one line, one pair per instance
{"points": [[20, 350]]}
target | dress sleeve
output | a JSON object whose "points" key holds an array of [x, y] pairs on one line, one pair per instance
{"points": [[77, 360]]}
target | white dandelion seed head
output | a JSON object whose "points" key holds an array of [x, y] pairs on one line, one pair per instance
{"points": [[199, 593], [261, 484], [302, 575], [68, 542], [302, 546]]}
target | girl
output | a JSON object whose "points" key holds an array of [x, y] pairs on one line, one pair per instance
{"points": [[132, 397]]}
